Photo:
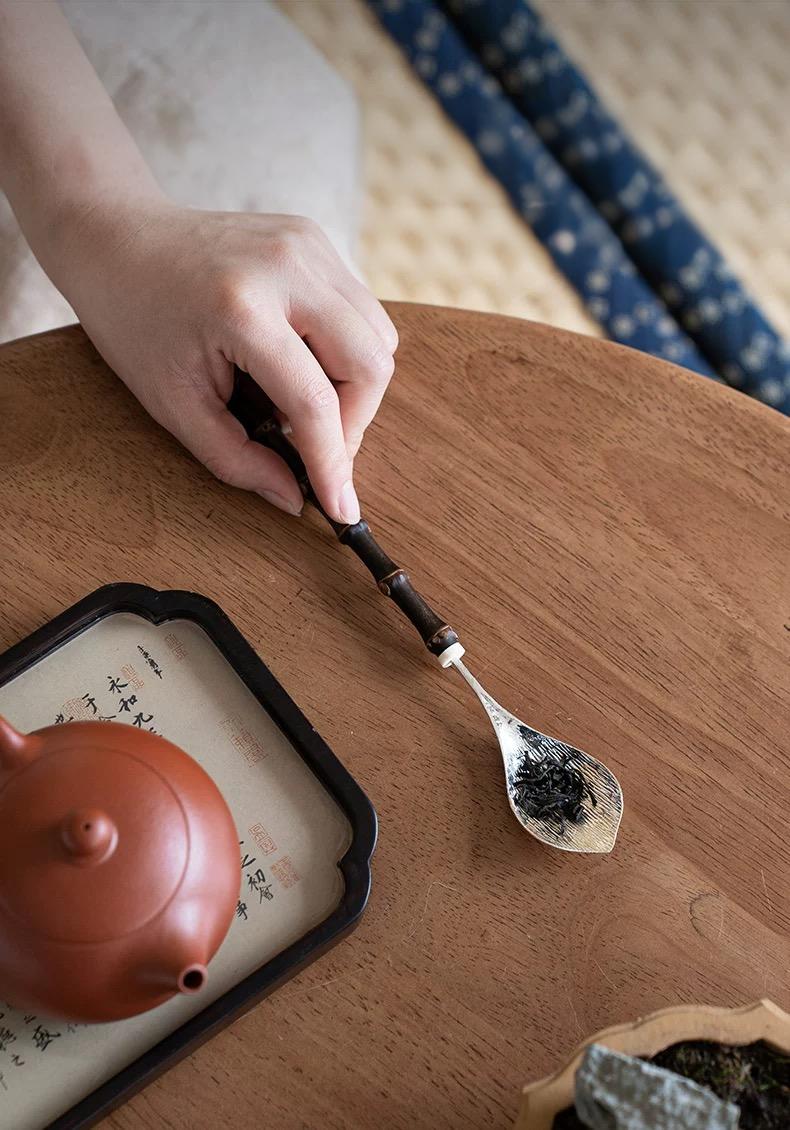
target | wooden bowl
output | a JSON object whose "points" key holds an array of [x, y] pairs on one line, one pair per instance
{"points": [[763, 1020]]}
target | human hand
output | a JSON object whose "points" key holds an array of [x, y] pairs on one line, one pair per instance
{"points": [[174, 297]]}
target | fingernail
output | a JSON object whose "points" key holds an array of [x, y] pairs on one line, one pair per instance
{"points": [[281, 502], [348, 504]]}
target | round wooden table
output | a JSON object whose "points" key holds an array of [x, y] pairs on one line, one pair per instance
{"points": [[611, 538]]}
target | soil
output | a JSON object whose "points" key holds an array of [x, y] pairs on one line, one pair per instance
{"points": [[755, 1077]]}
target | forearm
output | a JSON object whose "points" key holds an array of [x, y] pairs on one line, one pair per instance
{"points": [[65, 155]]}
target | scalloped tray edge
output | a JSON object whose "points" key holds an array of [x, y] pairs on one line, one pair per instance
{"points": [[760, 1020]]}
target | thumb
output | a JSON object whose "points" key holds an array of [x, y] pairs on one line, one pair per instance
{"points": [[219, 441]]}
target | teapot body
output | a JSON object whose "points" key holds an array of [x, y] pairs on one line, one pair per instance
{"points": [[119, 870]]}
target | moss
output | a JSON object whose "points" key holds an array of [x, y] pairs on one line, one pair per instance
{"points": [[755, 1077]]}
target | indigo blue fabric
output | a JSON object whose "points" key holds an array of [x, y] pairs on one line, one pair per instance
{"points": [[608, 220]]}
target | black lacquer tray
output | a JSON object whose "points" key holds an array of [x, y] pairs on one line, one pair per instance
{"points": [[174, 662]]}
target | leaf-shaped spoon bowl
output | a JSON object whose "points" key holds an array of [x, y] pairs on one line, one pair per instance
{"points": [[591, 824]]}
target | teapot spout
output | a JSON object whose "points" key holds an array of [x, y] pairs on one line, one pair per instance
{"points": [[192, 978], [176, 976], [16, 749]]}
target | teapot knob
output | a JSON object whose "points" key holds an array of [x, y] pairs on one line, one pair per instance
{"points": [[88, 835]]}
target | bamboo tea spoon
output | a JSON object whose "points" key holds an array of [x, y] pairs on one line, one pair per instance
{"points": [[561, 795]]}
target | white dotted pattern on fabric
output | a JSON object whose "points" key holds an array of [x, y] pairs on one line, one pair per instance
{"points": [[437, 228]]}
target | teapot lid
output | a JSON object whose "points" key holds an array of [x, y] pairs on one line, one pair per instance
{"points": [[91, 846]]}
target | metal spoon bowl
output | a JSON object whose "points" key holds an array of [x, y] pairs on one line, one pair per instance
{"points": [[597, 830]]}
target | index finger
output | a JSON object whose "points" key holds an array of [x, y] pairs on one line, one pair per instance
{"points": [[286, 369]]}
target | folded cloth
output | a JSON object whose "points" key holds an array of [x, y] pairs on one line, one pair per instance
{"points": [[666, 246], [572, 173]]}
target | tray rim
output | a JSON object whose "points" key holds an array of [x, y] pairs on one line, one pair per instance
{"points": [[158, 607]]}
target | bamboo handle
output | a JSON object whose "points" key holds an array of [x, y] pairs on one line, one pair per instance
{"points": [[256, 412]]}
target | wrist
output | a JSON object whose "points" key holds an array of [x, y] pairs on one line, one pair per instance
{"points": [[85, 229], [77, 202]]}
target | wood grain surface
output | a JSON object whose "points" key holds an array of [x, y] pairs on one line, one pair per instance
{"points": [[611, 539]]}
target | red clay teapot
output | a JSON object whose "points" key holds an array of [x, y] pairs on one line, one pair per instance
{"points": [[119, 870]]}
